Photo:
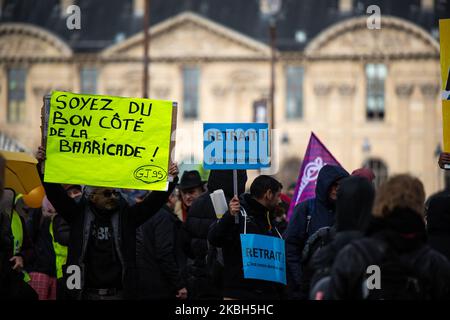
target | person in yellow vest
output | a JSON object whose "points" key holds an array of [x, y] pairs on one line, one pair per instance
{"points": [[23, 251], [16, 252], [50, 255]]}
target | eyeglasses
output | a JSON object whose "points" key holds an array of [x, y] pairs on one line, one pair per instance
{"points": [[110, 193]]}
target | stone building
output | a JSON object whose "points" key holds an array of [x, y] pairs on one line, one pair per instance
{"points": [[371, 95]]}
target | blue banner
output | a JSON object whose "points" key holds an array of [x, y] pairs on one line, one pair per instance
{"points": [[263, 258], [229, 146]]}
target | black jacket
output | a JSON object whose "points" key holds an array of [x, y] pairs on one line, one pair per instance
{"points": [[61, 230], [322, 216], [438, 223], [225, 233], [161, 257], [353, 212], [200, 216], [45, 261], [124, 221], [402, 232]]}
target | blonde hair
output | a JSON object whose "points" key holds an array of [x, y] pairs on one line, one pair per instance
{"points": [[400, 191]]}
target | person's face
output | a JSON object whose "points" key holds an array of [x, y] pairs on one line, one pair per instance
{"points": [[333, 191], [105, 198], [74, 193], [272, 199], [189, 195], [173, 198], [291, 192]]}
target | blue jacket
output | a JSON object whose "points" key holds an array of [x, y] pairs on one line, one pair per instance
{"points": [[319, 211]]}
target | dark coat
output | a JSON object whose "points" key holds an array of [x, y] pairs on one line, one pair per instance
{"points": [[61, 230], [353, 212], [322, 216], [161, 257], [45, 261], [225, 233], [200, 216], [402, 232], [124, 222], [438, 223]]}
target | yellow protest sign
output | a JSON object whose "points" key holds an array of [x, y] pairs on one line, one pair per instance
{"points": [[444, 34], [109, 141]]}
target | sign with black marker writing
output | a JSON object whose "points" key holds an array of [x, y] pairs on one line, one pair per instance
{"points": [[109, 141]]}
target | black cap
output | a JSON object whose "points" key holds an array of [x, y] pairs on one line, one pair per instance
{"points": [[190, 179]]}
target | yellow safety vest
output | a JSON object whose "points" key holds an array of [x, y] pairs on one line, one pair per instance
{"points": [[17, 231], [60, 254]]}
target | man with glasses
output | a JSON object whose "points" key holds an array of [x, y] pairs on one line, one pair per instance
{"points": [[103, 236]]}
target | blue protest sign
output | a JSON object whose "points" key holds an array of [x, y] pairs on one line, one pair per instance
{"points": [[263, 258], [229, 146]]}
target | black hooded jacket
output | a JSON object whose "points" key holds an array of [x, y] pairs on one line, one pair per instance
{"points": [[401, 234], [353, 212], [322, 216], [438, 223], [225, 234]]}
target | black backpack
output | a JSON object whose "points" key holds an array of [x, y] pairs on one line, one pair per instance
{"points": [[316, 242], [400, 278]]}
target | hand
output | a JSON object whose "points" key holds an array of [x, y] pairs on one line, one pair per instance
{"points": [[182, 294], [40, 155], [173, 170], [235, 206], [444, 158], [18, 263]]}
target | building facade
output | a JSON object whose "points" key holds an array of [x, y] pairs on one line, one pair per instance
{"points": [[370, 95]]}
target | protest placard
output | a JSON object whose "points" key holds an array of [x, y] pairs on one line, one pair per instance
{"points": [[236, 146], [109, 141], [444, 34], [263, 257]]}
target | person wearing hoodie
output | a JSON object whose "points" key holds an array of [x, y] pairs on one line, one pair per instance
{"points": [[259, 206], [395, 241], [353, 211], [206, 282], [308, 217], [438, 223]]}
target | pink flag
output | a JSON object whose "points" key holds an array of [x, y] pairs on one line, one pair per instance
{"points": [[316, 156]]}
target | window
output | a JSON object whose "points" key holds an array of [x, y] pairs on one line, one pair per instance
{"points": [[294, 92], [88, 77], [375, 78], [16, 95], [191, 77], [379, 169]]}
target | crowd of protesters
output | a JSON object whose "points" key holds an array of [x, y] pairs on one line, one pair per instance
{"points": [[171, 245]]}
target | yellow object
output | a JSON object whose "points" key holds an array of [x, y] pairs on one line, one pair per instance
{"points": [[109, 141], [444, 34], [17, 232], [60, 254], [34, 198], [21, 173]]}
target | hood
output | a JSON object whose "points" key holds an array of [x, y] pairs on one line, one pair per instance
{"points": [[403, 229], [327, 176], [438, 214], [354, 203], [223, 179]]}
